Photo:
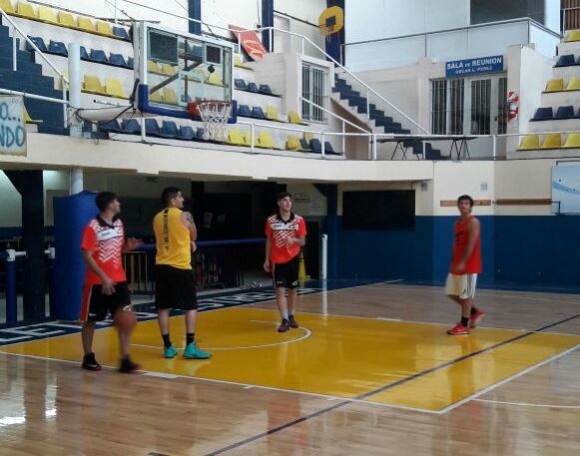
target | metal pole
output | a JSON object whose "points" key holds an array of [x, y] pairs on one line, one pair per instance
{"points": [[14, 52], [11, 296], [374, 147], [74, 71], [271, 38], [343, 137], [252, 136], [76, 180], [324, 272], [368, 104], [322, 150], [494, 140], [51, 253]]}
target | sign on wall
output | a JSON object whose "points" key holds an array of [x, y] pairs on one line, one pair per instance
{"points": [[475, 66], [12, 126], [566, 189], [250, 42]]}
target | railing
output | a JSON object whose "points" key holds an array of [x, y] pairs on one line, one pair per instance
{"points": [[65, 82], [215, 265]]}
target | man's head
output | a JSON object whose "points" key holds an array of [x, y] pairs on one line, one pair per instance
{"points": [[284, 201], [465, 204], [108, 202], [172, 197]]}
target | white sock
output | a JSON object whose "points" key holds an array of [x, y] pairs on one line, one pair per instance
{"points": [[285, 315]]}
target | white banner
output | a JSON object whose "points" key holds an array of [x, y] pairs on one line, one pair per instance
{"points": [[12, 126]]}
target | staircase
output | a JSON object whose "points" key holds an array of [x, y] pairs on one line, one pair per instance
{"points": [[29, 79], [377, 119]]}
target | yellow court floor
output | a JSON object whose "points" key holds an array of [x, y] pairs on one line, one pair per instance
{"points": [[403, 364]]}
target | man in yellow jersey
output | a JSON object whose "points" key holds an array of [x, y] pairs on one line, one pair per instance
{"points": [[175, 236]]}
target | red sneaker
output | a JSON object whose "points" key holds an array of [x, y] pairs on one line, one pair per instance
{"points": [[475, 318], [292, 322], [458, 330], [284, 326]]}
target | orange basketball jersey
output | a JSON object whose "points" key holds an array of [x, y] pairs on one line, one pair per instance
{"points": [[473, 263]]}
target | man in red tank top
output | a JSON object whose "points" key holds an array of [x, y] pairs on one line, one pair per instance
{"points": [[465, 266]]}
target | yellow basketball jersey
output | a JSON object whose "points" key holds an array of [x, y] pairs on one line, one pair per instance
{"points": [[172, 239]]}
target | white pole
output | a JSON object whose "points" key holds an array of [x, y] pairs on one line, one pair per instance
{"points": [[324, 272], [74, 71], [76, 180], [375, 155], [494, 138], [14, 52]]}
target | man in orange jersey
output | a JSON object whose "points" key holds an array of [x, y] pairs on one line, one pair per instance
{"points": [[106, 289], [285, 237], [175, 236], [465, 266]]}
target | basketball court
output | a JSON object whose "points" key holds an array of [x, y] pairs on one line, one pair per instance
{"points": [[369, 366]]}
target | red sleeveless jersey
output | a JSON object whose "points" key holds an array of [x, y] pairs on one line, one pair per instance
{"points": [[473, 263]]}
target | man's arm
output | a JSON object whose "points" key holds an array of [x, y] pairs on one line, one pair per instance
{"points": [[268, 249], [108, 284], [187, 220]]}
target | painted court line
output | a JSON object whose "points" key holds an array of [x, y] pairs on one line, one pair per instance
{"points": [[527, 404]]}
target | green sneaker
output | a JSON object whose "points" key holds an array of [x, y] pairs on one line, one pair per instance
{"points": [[170, 352], [192, 352]]}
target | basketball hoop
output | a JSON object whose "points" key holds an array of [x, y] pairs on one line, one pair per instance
{"points": [[214, 115]]}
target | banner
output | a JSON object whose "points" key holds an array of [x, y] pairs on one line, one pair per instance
{"points": [[12, 126], [469, 67], [250, 42]]}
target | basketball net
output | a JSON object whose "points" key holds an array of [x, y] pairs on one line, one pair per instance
{"points": [[214, 115]]}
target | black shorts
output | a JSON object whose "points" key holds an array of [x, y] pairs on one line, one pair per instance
{"points": [[174, 288], [286, 274], [96, 305]]}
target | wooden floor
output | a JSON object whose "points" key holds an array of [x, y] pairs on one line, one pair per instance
{"points": [[371, 372]]}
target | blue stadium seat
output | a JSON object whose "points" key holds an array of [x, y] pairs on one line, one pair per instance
{"points": [[244, 111], [99, 56], [258, 113], [84, 53], [38, 42], [240, 84], [316, 146], [152, 127], [117, 60], [252, 87], [130, 62], [544, 114], [199, 134], [566, 60], [121, 32], [56, 47], [328, 149], [305, 145], [169, 129], [186, 133], [111, 126], [564, 112], [265, 89], [131, 126]]}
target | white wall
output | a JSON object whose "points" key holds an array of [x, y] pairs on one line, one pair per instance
{"points": [[308, 201]]}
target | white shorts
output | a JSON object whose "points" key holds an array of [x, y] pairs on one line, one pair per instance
{"points": [[461, 285]]}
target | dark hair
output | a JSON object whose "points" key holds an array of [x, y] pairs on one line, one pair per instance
{"points": [[465, 198], [168, 194], [283, 195], [103, 200]]}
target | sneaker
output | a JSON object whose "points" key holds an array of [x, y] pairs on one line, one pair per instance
{"points": [[170, 352], [475, 318], [193, 352], [90, 363], [127, 366], [293, 323], [458, 330], [284, 326]]}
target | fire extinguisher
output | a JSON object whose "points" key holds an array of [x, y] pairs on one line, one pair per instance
{"points": [[513, 106]]}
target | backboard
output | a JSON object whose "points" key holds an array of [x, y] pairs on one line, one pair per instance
{"points": [[176, 68]]}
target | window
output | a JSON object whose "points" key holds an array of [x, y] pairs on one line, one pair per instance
{"points": [[483, 11], [481, 107], [314, 90], [447, 105], [439, 107], [502, 107], [456, 101]]}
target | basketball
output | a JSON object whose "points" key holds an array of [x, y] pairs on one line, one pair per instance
{"points": [[125, 321]]}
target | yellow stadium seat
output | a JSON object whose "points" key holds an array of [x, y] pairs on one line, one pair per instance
{"points": [[170, 96], [530, 142], [573, 35], [293, 143], [272, 114], [248, 139], [167, 69], [6, 5], [66, 19], [215, 79], [104, 28], [114, 89], [555, 85], [28, 119], [573, 141], [92, 84], [552, 142], [156, 97], [236, 138], [153, 67], [294, 118], [239, 62], [308, 136], [25, 9], [86, 24], [47, 14], [574, 84], [265, 140]]}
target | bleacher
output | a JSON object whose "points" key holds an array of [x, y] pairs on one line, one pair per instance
{"points": [[107, 63], [555, 124]]}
